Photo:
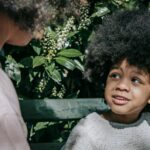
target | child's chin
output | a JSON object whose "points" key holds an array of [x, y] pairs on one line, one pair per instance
{"points": [[119, 110]]}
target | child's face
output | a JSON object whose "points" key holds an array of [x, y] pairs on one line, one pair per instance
{"points": [[127, 89]]}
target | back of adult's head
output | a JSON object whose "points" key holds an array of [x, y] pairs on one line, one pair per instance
{"points": [[32, 15]]}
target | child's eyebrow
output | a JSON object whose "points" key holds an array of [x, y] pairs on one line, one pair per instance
{"points": [[140, 72], [115, 67]]}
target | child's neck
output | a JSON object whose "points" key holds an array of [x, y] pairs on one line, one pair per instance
{"points": [[127, 119]]}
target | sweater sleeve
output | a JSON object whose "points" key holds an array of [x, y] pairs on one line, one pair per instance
{"points": [[79, 139], [12, 127], [11, 133]]}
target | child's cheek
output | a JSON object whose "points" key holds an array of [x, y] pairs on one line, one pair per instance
{"points": [[135, 90], [137, 93]]}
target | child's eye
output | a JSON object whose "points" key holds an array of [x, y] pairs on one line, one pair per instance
{"points": [[114, 75], [136, 80]]}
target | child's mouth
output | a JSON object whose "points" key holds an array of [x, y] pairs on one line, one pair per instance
{"points": [[120, 100]]}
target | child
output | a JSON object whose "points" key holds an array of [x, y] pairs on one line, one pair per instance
{"points": [[20, 21], [120, 55]]}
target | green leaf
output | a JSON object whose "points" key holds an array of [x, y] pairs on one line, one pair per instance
{"points": [[17, 76], [40, 125], [51, 33], [79, 65], [69, 53], [71, 34], [27, 62], [20, 65], [11, 59], [12, 68], [53, 72], [56, 76], [101, 12], [38, 61], [37, 49], [50, 67], [68, 63]]}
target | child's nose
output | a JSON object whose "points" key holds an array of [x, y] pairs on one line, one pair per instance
{"points": [[123, 85]]}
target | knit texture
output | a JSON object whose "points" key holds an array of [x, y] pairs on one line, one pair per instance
{"points": [[13, 130], [96, 133]]}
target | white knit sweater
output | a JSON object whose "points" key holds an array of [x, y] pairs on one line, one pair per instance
{"points": [[96, 133], [13, 130]]}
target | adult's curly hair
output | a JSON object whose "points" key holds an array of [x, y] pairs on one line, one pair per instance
{"points": [[124, 34], [33, 14]]}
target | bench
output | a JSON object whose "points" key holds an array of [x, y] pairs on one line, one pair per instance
{"points": [[56, 110]]}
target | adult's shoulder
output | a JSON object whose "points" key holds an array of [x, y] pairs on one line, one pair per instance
{"points": [[8, 96], [5, 80], [6, 85]]}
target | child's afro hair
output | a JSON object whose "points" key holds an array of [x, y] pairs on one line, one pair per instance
{"points": [[124, 34]]}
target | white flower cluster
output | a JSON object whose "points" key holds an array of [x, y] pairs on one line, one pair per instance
{"points": [[12, 70], [48, 43], [62, 41], [85, 20], [40, 86], [60, 93]]}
